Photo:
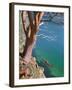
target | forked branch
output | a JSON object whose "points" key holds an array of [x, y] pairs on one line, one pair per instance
{"points": [[34, 20], [38, 18]]}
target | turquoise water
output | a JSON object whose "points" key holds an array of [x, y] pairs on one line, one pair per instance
{"points": [[50, 47]]}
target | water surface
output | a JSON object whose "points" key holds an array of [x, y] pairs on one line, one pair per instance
{"points": [[50, 47]]}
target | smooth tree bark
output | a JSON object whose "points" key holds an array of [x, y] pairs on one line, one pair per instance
{"points": [[30, 32]]}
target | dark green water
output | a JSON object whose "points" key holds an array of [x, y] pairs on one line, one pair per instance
{"points": [[50, 47]]}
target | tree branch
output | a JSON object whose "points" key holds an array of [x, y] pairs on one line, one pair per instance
{"points": [[34, 19], [30, 19], [23, 22], [38, 18]]}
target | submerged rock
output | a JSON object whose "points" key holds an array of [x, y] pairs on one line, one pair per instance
{"points": [[31, 70]]}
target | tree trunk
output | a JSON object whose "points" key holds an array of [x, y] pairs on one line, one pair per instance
{"points": [[30, 33], [29, 44]]}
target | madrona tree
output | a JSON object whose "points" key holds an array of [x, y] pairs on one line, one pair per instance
{"points": [[30, 23]]}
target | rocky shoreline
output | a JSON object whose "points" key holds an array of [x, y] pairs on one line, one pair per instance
{"points": [[31, 70]]}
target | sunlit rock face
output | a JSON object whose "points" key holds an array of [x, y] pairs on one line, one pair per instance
{"points": [[31, 70]]}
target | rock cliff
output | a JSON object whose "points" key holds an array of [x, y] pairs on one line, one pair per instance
{"points": [[31, 70]]}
